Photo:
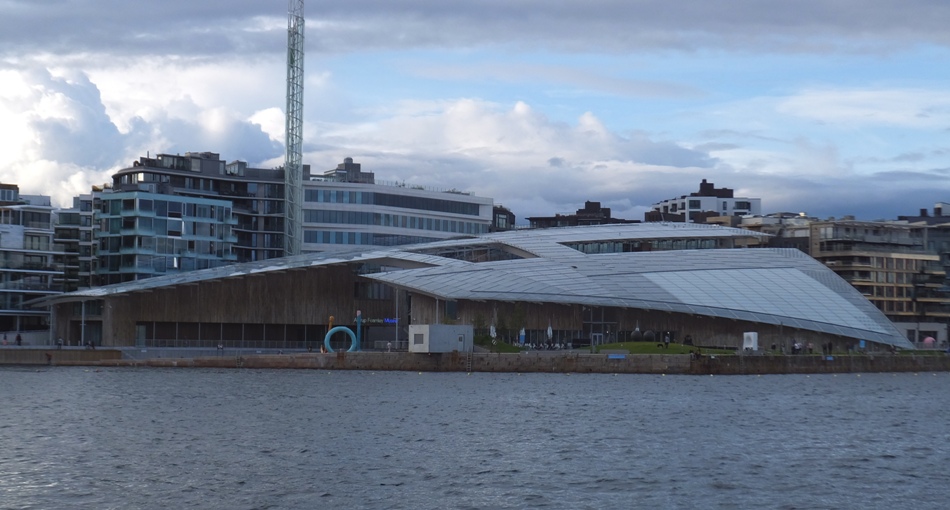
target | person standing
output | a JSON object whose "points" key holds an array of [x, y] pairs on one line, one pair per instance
{"points": [[19, 339]]}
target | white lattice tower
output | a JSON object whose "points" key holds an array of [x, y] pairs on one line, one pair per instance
{"points": [[293, 142]]}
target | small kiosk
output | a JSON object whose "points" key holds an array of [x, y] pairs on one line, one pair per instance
{"points": [[440, 338]]}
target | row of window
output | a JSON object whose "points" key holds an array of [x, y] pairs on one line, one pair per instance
{"points": [[34, 242], [163, 245], [272, 190], [361, 238], [898, 307], [596, 247], [694, 205], [15, 260], [390, 200], [165, 208], [891, 292], [891, 263], [372, 290], [392, 220], [30, 219], [885, 277], [147, 264], [163, 227]]}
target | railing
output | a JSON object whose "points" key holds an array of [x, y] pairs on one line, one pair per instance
{"points": [[31, 287], [31, 267], [158, 343]]}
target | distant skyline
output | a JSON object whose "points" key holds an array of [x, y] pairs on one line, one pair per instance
{"points": [[828, 108]]}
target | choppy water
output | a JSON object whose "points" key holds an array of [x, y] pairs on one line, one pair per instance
{"points": [[255, 439]]}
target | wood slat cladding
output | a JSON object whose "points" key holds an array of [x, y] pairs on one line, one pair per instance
{"points": [[300, 297]]}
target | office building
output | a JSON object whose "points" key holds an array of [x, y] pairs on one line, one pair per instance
{"points": [[347, 207]]}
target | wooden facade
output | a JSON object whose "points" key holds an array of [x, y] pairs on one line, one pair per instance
{"points": [[292, 308], [278, 308]]}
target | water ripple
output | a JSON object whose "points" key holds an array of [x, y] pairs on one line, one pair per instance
{"points": [[256, 439]]}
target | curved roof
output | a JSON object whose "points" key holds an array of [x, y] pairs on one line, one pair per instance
{"points": [[769, 286]]}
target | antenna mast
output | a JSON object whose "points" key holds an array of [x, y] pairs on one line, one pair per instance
{"points": [[293, 133]]}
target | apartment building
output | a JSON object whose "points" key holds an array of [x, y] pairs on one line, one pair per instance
{"points": [[708, 201], [592, 214], [27, 268], [893, 266], [75, 244], [255, 195], [143, 234]]}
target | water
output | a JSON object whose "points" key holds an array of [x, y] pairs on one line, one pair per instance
{"points": [[257, 439]]}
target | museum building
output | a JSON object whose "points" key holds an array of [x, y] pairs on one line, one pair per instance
{"points": [[569, 286]]}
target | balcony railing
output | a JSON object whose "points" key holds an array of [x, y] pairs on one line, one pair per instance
{"points": [[35, 287], [30, 267]]}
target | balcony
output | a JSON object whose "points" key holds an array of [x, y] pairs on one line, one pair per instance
{"points": [[137, 231], [30, 268], [136, 250], [31, 287], [135, 212]]}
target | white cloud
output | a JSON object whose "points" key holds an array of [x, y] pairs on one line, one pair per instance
{"points": [[909, 108], [539, 104], [58, 139]]}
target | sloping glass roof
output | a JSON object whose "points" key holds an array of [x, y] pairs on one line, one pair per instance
{"points": [[771, 286]]}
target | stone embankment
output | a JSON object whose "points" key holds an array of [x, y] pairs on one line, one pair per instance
{"points": [[53, 356], [559, 362]]}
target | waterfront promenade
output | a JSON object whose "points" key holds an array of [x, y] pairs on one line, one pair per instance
{"points": [[527, 362]]}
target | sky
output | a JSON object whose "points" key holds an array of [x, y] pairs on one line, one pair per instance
{"points": [[827, 107]]}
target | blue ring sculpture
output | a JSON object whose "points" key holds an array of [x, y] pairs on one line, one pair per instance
{"points": [[355, 346], [348, 331]]}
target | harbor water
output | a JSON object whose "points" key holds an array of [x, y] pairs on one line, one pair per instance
{"points": [[124, 438]]}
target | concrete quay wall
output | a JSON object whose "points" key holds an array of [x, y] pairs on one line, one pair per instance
{"points": [[550, 363], [745, 365], [34, 356]]}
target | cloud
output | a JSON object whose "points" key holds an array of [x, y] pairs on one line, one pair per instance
{"points": [[58, 139], [569, 81], [515, 155], [541, 105], [250, 26], [909, 108]]}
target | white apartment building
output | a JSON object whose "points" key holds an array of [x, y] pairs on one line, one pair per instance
{"points": [[27, 269], [708, 201]]}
